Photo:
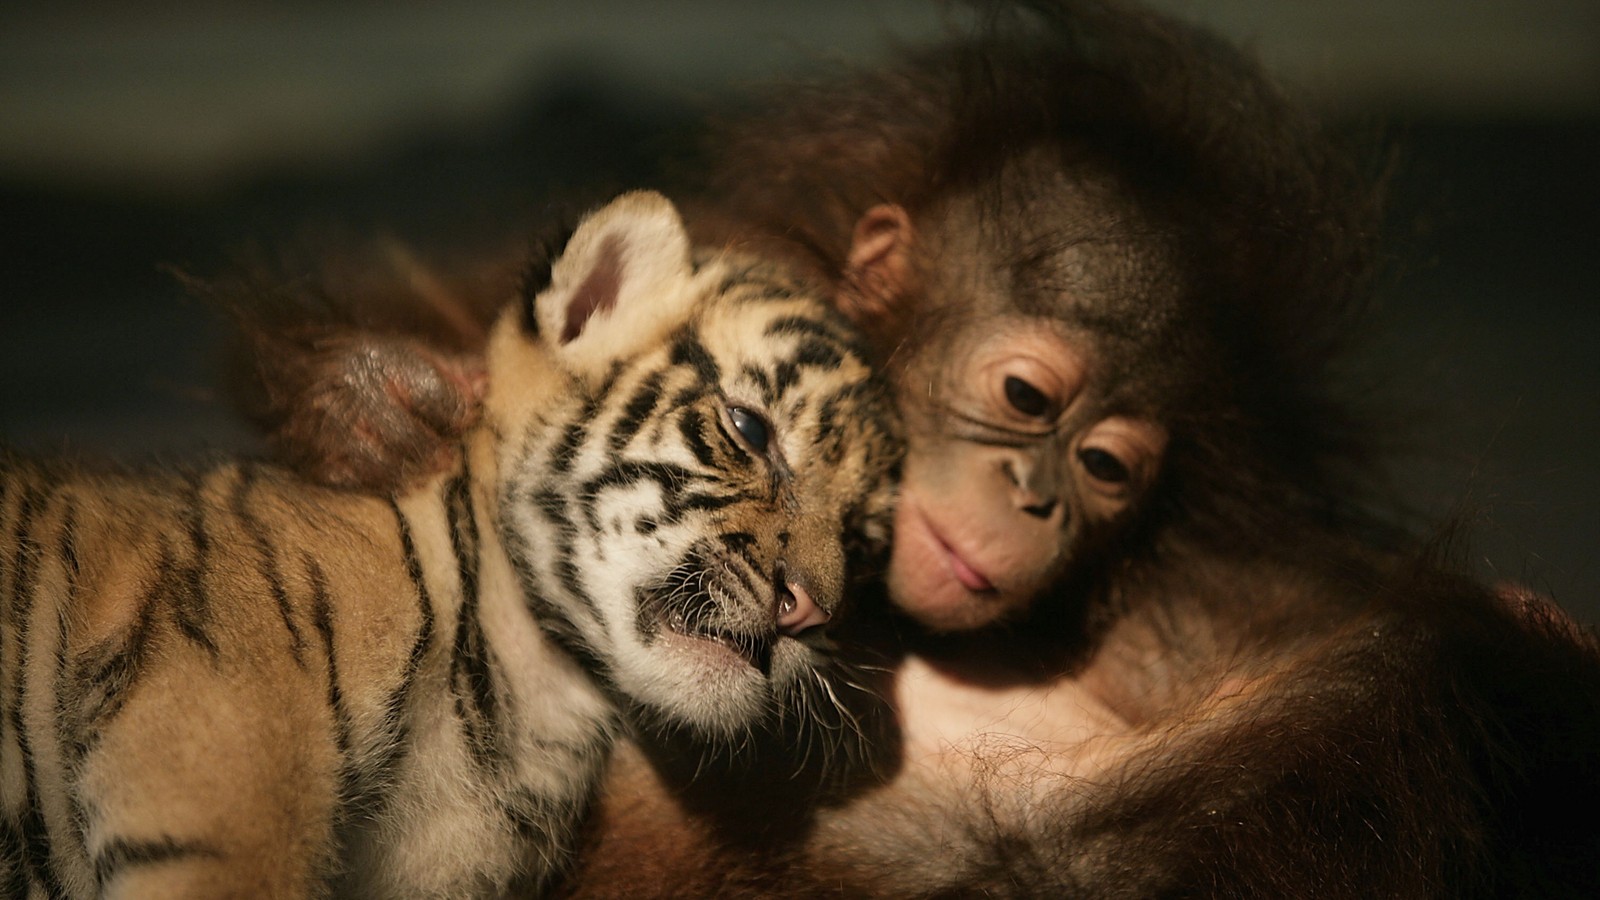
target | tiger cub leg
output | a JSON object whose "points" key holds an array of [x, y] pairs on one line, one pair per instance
{"points": [[208, 786]]}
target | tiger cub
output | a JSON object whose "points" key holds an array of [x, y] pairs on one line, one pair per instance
{"points": [[230, 683]]}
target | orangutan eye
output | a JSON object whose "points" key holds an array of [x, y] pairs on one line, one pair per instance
{"points": [[1025, 398], [751, 427], [1103, 466]]}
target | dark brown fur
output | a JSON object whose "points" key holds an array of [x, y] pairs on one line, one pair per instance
{"points": [[1309, 702], [1277, 226], [363, 367], [1412, 738]]}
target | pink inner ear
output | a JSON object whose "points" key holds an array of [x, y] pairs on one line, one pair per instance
{"points": [[598, 291]]}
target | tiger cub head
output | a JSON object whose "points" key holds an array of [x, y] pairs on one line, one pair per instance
{"points": [[684, 446]]}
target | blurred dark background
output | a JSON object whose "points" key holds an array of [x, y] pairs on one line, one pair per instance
{"points": [[173, 133]]}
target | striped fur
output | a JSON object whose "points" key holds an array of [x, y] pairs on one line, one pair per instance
{"points": [[227, 682]]}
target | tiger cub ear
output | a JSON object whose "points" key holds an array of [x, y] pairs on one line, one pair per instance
{"points": [[623, 280]]}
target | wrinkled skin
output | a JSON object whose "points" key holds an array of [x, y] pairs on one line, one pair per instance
{"points": [[395, 405]]}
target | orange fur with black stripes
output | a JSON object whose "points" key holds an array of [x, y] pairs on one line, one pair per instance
{"points": [[227, 682]]}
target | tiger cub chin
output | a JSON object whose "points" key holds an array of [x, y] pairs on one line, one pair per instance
{"points": [[231, 683]]}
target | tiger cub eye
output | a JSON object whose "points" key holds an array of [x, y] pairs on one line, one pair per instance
{"points": [[751, 427]]}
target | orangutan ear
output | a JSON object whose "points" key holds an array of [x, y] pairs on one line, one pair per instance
{"points": [[878, 269]]}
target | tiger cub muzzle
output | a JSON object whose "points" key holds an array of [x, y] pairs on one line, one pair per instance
{"points": [[722, 599]]}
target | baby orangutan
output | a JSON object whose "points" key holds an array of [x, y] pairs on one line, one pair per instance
{"points": [[1147, 639]]}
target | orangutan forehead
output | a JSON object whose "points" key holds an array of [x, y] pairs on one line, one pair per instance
{"points": [[1074, 250]]}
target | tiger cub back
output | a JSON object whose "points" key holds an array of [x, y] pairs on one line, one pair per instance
{"points": [[226, 682]]}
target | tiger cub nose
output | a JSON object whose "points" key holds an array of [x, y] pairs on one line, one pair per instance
{"points": [[796, 611]]}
